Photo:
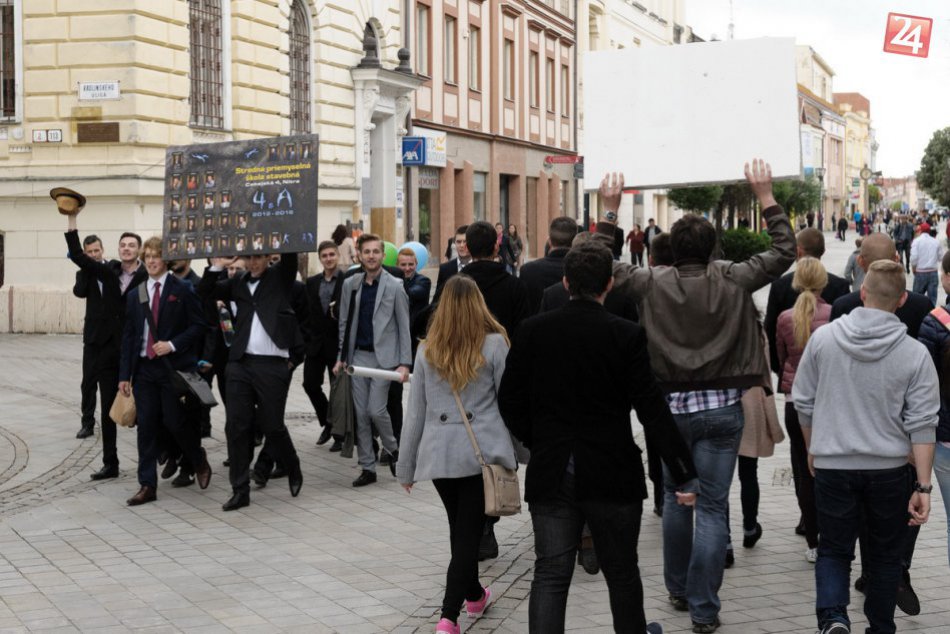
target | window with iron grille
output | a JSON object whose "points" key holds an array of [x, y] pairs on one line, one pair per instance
{"points": [[207, 82], [7, 62], [299, 70]]}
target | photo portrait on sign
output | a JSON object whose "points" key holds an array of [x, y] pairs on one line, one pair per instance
{"points": [[174, 224], [224, 220], [208, 244], [173, 245], [257, 244], [175, 182], [176, 203], [209, 179], [192, 202], [224, 242], [208, 224], [225, 199], [240, 243], [190, 246], [191, 224], [192, 182], [242, 220], [176, 159]]}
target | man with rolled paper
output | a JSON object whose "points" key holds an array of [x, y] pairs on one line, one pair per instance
{"points": [[259, 364], [374, 333]]}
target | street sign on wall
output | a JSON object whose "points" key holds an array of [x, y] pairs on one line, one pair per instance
{"points": [[413, 150]]}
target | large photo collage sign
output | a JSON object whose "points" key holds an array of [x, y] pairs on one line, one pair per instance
{"points": [[241, 198]]}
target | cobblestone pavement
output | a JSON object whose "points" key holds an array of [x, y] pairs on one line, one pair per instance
{"points": [[74, 557]]}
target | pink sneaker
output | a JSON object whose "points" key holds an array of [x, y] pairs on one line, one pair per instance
{"points": [[476, 608], [446, 626]]}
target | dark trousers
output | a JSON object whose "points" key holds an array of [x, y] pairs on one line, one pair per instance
{"points": [[314, 368], [903, 254], [157, 405], [221, 376], [655, 472], [748, 493], [464, 501], [261, 383], [100, 370], [804, 482], [636, 258], [910, 537], [846, 500], [615, 527], [394, 407]]}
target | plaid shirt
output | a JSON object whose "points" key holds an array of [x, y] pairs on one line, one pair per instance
{"points": [[702, 400]]}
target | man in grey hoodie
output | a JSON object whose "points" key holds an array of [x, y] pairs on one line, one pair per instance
{"points": [[859, 437]]}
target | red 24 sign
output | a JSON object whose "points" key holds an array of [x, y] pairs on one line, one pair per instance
{"points": [[907, 35]]}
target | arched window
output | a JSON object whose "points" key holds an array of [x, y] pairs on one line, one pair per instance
{"points": [[299, 69], [207, 64], [11, 64]]}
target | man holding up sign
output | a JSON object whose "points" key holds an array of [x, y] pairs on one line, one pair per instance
{"points": [[706, 348]]}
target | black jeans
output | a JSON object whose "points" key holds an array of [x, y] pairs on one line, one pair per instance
{"points": [[314, 368], [909, 542], [257, 389], [804, 482], [748, 493], [615, 527], [464, 500], [846, 500], [100, 369]]}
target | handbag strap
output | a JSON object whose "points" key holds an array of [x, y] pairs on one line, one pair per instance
{"points": [[468, 428], [349, 324]]}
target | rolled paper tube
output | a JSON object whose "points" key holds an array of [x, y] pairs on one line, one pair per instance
{"points": [[374, 373]]}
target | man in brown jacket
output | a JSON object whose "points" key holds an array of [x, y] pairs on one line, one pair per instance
{"points": [[706, 348]]}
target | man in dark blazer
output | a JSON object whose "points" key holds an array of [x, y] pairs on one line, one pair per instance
{"points": [[809, 242], [505, 295], [323, 296], [455, 265], [539, 274], [148, 359], [259, 364], [105, 286], [580, 468]]}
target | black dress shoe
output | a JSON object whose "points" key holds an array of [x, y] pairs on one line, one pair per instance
{"points": [[295, 481], [278, 472], [183, 479], [203, 472], [488, 546], [171, 466], [259, 478], [325, 436], [145, 494], [366, 477], [104, 473], [85, 431], [337, 446], [237, 501]]}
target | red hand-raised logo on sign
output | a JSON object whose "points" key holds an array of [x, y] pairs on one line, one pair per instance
{"points": [[907, 35]]}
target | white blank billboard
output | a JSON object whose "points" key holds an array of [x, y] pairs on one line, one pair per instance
{"points": [[692, 114]]}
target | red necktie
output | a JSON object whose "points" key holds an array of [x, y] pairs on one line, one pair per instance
{"points": [[151, 340]]}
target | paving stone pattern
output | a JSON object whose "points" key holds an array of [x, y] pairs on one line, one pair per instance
{"points": [[75, 558]]}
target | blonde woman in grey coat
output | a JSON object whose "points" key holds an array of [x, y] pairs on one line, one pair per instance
{"points": [[464, 351]]}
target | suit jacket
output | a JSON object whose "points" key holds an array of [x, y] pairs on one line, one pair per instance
{"points": [[105, 310], [418, 289], [539, 274], [391, 339], [619, 304], [604, 358], [911, 314], [271, 301], [782, 297], [180, 322], [324, 325], [504, 293], [446, 271]]}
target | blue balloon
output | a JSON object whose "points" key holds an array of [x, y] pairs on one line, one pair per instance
{"points": [[422, 254]]}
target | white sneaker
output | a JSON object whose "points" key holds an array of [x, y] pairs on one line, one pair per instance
{"points": [[811, 555]]}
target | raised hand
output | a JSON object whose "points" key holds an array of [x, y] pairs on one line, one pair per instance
{"points": [[611, 191], [759, 176]]}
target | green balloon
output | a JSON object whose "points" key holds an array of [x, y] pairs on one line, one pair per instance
{"points": [[390, 253]]}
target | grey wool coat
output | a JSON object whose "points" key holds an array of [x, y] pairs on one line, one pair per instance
{"points": [[434, 443]]}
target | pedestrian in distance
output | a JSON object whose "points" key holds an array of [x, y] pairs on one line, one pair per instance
{"points": [[462, 356], [867, 397], [579, 468], [925, 255]]}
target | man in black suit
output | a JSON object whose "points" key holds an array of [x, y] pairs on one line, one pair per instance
{"points": [[323, 295], [505, 295], [580, 468], [809, 242], [104, 285], [455, 265], [259, 364], [539, 274], [148, 359]]}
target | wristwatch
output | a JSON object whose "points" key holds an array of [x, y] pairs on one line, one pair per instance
{"points": [[923, 488]]}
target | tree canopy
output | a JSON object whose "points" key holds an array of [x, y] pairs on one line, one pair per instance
{"points": [[696, 199], [934, 174]]}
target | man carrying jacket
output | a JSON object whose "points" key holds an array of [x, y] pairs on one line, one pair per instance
{"points": [[706, 348]]}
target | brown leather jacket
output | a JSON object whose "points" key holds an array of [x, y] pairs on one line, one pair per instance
{"points": [[701, 323]]}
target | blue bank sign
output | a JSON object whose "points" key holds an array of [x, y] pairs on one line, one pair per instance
{"points": [[413, 150]]}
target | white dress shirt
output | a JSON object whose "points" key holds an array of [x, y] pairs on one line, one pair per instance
{"points": [[259, 341]]}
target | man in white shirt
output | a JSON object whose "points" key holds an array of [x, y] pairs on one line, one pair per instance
{"points": [[925, 255]]}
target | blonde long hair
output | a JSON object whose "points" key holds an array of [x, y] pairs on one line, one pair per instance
{"points": [[810, 280], [458, 330]]}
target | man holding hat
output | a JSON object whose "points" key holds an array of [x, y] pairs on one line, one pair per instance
{"points": [[103, 284], [925, 254]]}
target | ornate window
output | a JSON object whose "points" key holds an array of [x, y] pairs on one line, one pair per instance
{"points": [[207, 64], [299, 69]]}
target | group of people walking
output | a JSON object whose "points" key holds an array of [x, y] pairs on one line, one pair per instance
{"points": [[544, 368]]}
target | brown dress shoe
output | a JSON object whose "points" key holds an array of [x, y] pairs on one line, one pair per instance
{"points": [[203, 472], [145, 494]]}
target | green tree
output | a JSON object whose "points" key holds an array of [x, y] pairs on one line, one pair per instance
{"points": [[696, 199], [934, 174], [874, 194], [798, 197]]}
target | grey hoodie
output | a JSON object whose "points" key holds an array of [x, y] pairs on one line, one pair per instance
{"points": [[867, 391]]}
